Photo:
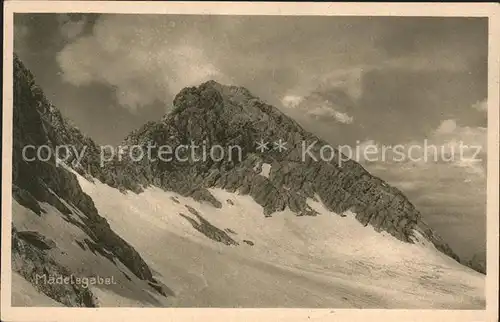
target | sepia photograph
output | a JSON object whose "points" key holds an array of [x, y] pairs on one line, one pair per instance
{"points": [[287, 158]]}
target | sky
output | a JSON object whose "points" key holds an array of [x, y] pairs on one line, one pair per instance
{"points": [[358, 81]]}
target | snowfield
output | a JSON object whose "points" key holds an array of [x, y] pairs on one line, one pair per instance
{"points": [[25, 294], [128, 289], [281, 261]]}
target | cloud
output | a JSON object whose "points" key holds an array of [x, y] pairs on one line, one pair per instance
{"points": [[447, 126], [342, 86], [138, 57], [449, 132], [481, 106], [343, 117], [327, 111], [467, 145], [460, 147], [291, 101], [347, 80], [450, 163], [329, 101], [70, 28], [451, 192], [316, 106], [275, 57]]}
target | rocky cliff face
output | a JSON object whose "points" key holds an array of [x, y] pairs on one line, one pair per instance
{"points": [[214, 114], [36, 122], [210, 115]]}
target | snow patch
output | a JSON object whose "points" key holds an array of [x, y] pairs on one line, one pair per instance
{"points": [[263, 169], [266, 169], [25, 294]]}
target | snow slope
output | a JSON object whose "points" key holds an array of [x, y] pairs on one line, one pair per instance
{"points": [[323, 261], [25, 294], [127, 290]]}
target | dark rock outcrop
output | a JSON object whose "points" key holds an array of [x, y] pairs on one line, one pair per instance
{"points": [[36, 239], [25, 199], [249, 242], [37, 267], [478, 263], [207, 229]]}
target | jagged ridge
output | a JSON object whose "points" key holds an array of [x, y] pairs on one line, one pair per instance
{"points": [[37, 122]]}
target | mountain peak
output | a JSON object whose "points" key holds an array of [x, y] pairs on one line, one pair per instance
{"points": [[226, 89], [225, 115], [213, 83], [225, 107], [230, 116]]}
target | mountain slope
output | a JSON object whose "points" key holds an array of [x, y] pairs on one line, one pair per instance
{"points": [[280, 261], [266, 229], [219, 115], [57, 231]]}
